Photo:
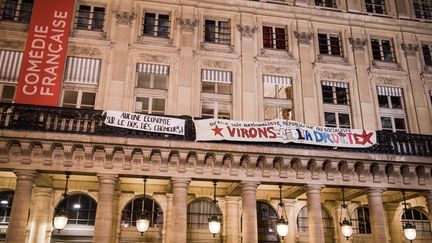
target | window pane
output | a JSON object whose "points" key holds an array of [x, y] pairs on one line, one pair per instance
{"points": [[223, 88], [335, 45], [344, 121], [427, 56], [383, 101], [158, 106], [400, 124], [88, 100], [163, 26], [210, 28], [83, 16], [376, 52], [267, 37], [208, 87], [98, 18], [224, 111], [269, 90], [280, 39], [8, 94], [160, 81], [322, 42], [149, 23], [284, 92], [387, 50], [270, 113], [396, 102], [143, 80], [386, 123], [342, 96], [70, 98], [330, 119], [142, 104], [327, 93], [207, 110]]}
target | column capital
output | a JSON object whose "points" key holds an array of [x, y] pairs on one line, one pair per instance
{"points": [[371, 191], [391, 206], [313, 188], [43, 191], [25, 174], [107, 178], [180, 181], [251, 185], [232, 199]]}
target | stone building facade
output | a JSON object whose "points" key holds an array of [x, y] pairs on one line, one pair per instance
{"points": [[362, 64]]}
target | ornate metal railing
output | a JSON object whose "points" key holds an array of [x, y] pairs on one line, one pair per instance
{"points": [[90, 122]]}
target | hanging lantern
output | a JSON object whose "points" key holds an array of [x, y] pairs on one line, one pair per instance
{"points": [[143, 222], [281, 223], [409, 229], [60, 218], [214, 222], [346, 225]]}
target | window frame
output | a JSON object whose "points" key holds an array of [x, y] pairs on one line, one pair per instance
{"points": [[19, 15], [382, 52], [427, 57], [88, 23], [326, 3], [393, 113], [281, 104], [365, 223], [334, 107], [128, 218], [374, 6], [2, 86], [327, 49], [80, 92], [424, 12], [423, 222], [275, 42], [218, 31], [156, 32]]}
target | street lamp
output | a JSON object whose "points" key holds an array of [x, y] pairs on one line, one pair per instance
{"points": [[409, 229], [282, 223], [345, 224], [214, 222], [143, 222], [61, 218]]}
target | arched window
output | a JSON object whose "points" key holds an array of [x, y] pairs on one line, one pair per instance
{"points": [[141, 205], [420, 220], [361, 221], [266, 219], [198, 213], [302, 221], [6, 198], [80, 208]]}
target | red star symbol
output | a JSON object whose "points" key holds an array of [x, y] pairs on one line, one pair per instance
{"points": [[365, 136], [217, 131]]}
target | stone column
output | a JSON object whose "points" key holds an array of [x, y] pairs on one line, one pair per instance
{"points": [[291, 237], [393, 222], [178, 232], [168, 218], [43, 202], [377, 216], [249, 218], [315, 224], [232, 219], [103, 228], [116, 216], [20, 206]]}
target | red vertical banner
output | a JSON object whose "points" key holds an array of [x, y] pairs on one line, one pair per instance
{"points": [[41, 73]]}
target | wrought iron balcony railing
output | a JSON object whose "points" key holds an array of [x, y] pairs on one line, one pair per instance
{"points": [[90, 122]]}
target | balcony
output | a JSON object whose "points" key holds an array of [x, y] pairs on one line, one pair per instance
{"points": [[90, 122]]}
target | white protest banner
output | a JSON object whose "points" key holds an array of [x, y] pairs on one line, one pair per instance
{"points": [[282, 131], [142, 122]]}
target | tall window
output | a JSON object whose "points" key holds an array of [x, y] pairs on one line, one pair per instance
{"points": [[383, 50], [10, 64], [274, 38], [361, 221], [156, 24], [17, 10], [302, 223], [151, 90], [336, 104], [216, 93], [375, 6], [266, 219], [278, 100], [217, 31], [198, 213], [427, 54], [141, 205], [80, 208], [80, 82], [90, 18], [390, 100], [423, 9], [326, 3], [6, 198], [420, 220], [330, 44]]}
